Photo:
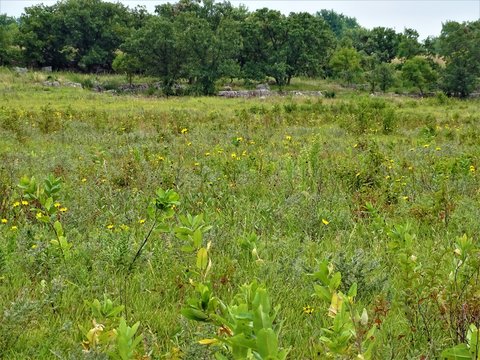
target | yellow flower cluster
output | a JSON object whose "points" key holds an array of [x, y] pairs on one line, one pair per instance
{"points": [[308, 310], [18, 203]]}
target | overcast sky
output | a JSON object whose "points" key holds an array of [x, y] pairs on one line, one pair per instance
{"points": [[426, 16]]}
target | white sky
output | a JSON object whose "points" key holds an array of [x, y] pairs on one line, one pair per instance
{"points": [[426, 16]]}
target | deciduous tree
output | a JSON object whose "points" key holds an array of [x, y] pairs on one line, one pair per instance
{"points": [[418, 72], [459, 45]]}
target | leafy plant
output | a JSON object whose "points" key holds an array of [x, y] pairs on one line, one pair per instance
{"points": [[246, 325], [47, 208], [110, 333], [125, 341], [349, 332], [468, 351]]}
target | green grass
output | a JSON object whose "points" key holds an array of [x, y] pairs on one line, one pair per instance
{"points": [[274, 167]]}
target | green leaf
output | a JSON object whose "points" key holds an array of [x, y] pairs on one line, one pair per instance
{"points": [[202, 259], [162, 227], [197, 220], [187, 248], [352, 292], [458, 352], [58, 228], [322, 273], [244, 316], [48, 204], [45, 219], [240, 345], [267, 343], [473, 341], [261, 299], [335, 281], [194, 314], [322, 292], [261, 319], [115, 311], [151, 211], [219, 356], [182, 232], [197, 238]]}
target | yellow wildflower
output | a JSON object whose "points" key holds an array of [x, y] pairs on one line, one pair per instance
{"points": [[14, 228], [4, 221], [472, 169], [57, 205], [184, 131], [63, 209], [325, 222], [207, 154], [16, 203], [110, 227], [308, 310], [233, 155], [288, 137], [141, 221], [24, 202], [84, 180]]}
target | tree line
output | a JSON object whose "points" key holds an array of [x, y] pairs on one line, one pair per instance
{"points": [[199, 42]]}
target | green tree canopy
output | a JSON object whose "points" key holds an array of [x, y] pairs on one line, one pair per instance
{"points": [[310, 43], [264, 50], [78, 34], [459, 44], [345, 64], [418, 72], [382, 43], [156, 47], [9, 52], [379, 74], [408, 45], [338, 23]]}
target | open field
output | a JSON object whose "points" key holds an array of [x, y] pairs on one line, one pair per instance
{"points": [[385, 190]]}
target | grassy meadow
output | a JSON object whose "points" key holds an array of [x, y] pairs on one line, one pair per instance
{"points": [[383, 190]]}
